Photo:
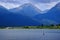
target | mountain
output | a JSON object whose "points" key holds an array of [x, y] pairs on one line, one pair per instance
{"points": [[51, 17], [8, 18], [27, 9]]}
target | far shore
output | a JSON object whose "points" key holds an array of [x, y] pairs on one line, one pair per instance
{"points": [[32, 27]]}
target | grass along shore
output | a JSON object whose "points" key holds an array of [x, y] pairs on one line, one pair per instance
{"points": [[32, 27]]}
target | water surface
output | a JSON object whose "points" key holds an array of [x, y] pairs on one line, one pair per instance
{"points": [[30, 34]]}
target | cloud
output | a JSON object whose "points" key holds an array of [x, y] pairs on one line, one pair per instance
{"points": [[45, 6], [15, 1], [41, 4], [44, 1], [27, 1], [8, 5]]}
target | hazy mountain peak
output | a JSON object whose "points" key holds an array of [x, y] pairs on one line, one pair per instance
{"points": [[58, 5], [28, 4], [1, 6]]}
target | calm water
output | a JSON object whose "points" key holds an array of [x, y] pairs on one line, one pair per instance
{"points": [[30, 34]]}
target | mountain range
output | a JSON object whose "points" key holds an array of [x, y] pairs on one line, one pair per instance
{"points": [[29, 15], [51, 17], [26, 9], [8, 18]]}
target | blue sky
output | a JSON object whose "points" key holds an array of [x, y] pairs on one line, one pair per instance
{"points": [[41, 4]]}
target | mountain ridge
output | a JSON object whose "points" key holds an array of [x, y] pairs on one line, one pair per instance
{"points": [[8, 18], [53, 15], [26, 9]]}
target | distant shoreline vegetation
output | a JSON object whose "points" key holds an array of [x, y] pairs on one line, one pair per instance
{"points": [[32, 27]]}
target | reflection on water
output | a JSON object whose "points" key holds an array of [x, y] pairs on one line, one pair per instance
{"points": [[30, 34]]}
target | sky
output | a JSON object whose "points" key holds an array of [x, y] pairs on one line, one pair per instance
{"points": [[41, 4]]}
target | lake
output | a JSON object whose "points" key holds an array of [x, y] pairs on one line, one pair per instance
{"points": [[30, 34]]}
